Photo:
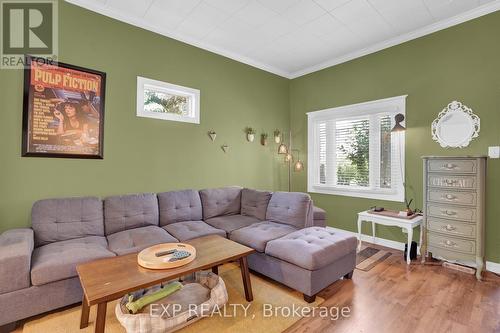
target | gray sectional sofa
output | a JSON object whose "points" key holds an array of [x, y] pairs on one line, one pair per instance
{"points": [[38, 264]]}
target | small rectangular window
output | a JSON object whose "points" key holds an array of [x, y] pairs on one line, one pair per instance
{"points": [[162, 100], [352, 151]]}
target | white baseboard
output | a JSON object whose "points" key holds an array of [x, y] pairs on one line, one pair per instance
{"points": [[490, 265]]}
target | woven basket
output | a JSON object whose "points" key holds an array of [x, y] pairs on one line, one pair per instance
{"points": [[198, 297]]}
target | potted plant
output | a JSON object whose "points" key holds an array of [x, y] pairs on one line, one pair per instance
{"points": [[277, 136], [263, 139], [250, 134]]}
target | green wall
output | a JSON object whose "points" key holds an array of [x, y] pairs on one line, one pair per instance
{"points": [[146, 155], [462, 63], [140, 154]]}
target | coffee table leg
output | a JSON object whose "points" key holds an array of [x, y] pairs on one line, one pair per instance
{"points": [[245, 274], [101, 318], [84, 319], [215, 270]]}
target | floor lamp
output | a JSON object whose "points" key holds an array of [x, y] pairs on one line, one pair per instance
{"points": [[298, 166]]}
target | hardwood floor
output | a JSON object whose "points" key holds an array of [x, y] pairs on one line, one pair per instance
{"points": [[394, 297]]}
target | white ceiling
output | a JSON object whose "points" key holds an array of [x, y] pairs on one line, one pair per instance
{"points": [[292, 37]]}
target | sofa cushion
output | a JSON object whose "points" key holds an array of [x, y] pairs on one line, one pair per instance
{"points": [[257, 235], [192, 229], [291, 208], [57, 261], [312, 248], [178, 206], [254, 203], [232, 222], [56, 220], [130, 211], [220, 201], [135, 240]]}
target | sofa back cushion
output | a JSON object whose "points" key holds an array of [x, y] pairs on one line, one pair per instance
{"points": [[179, 206], [254, 203], [291, 208], [130, 211], [221, 201], [56, 220]]}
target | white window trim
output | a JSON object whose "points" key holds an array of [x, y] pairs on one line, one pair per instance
{"points": [[392, 105], [170, 88]]}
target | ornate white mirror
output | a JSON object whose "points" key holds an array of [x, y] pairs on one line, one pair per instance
{"points": [[455, 126]]}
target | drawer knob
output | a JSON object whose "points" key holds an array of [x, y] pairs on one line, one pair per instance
{"points": [[449, 166], [449, 243], [449, 227], [449, 212], [449, 197]]}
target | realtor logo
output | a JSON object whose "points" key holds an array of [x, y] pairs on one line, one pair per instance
{"points": [[28, 27]]}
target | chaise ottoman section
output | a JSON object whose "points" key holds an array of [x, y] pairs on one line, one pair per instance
{"points": [[318, 246], [325, 253]]}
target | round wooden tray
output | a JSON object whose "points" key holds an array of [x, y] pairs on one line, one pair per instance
{"points": [[147, 258]]}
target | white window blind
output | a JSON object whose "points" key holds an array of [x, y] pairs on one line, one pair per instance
{"points": [[352, 150]]}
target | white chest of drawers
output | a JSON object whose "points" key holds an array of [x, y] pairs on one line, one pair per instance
{"points": [[454, 209]]}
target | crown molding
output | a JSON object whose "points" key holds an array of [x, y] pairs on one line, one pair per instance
{"points": [[429, 29], [106, 11]]}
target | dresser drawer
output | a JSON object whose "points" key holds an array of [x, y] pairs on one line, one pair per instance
{"points": [[452, 212], [459, 198], [450, 181], [452, 166], [451, 228], [452, 243]]}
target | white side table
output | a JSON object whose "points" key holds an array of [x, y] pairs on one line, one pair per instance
{"points": [[407, 224]]}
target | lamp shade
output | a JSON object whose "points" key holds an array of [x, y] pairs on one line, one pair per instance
{"points": [[398, 119], [288, 157], [282, 149], [298, 166]]}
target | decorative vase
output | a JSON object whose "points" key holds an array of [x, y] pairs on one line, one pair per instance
{"points": [[250, 137]]}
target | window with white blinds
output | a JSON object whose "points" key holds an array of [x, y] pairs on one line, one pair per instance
{"points": [[352, 151]]}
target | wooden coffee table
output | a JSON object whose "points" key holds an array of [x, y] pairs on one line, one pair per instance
{"points": [[109, 279]]}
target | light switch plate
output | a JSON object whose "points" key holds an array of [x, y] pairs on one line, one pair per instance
{"points": [[494, 152]]}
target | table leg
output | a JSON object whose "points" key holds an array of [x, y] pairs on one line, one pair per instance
{"points": [[373, 231], [245, 274], [359, 233], [423, 246], [100, 322], [420, 241], [410, 238], [215, 270], [84, 318]]}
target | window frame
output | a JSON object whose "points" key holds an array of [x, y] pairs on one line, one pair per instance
{"points": [[371, 109], [194, 94]]}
